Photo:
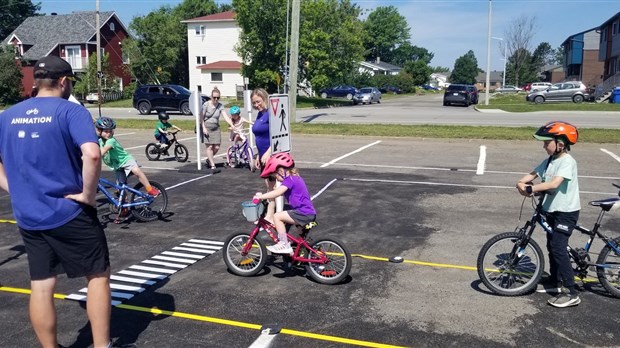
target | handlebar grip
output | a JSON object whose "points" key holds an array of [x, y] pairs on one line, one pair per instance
{"points": [[255, 200]]}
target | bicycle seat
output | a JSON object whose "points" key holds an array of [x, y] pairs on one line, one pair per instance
{"points": [[606, 204]]}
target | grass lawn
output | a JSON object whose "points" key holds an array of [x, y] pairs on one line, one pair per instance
{"points": [[515, 102]]}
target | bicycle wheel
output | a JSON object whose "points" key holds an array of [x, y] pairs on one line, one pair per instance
{"points": [[155, 209], [231, 156], [609, 273], [338, 266], [508, 271], [249, 154], [152, 152], [181, 153], [242, 264]]}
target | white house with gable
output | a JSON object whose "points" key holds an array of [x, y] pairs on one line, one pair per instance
{"points": [[212, 59]]}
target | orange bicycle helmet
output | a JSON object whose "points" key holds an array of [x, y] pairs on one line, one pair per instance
{"points": [[558, 130], [282, 159]]}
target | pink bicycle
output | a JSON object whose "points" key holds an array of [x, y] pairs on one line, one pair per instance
{"points": [[326, 260]]}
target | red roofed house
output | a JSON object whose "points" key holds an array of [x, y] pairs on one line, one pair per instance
{"points": [[213, 61]]}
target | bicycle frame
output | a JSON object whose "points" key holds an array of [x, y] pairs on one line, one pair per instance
{"points": [[300, 242], [123, 192]]}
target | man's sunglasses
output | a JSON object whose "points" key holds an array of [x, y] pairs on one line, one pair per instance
{"points": [[215, 97]]}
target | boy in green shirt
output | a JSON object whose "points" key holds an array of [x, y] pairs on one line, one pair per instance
{"points": [[162, 126]]}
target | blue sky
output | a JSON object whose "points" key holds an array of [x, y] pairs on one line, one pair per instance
{"points": [[448, 28]]}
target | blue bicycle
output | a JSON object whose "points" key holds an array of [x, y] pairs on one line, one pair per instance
{"points": [[140, 204]]}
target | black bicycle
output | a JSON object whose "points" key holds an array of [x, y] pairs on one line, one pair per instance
{"points": [[512, 263], [155, 150]]}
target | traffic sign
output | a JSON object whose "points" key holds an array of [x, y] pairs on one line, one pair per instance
{"points": [[279, 127]]}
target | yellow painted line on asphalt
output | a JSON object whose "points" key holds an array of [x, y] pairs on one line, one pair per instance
{"points": [[420, 263], [214, 320], [8, 221]]}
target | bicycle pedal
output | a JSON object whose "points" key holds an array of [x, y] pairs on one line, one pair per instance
{"points": [[245, 262]]}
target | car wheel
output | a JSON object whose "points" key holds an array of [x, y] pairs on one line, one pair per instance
{"points": [[144, 108], [578, 98], [539, 99], [379, 101], [185, 108], [324, 95], [349, 96], [445, 103]]}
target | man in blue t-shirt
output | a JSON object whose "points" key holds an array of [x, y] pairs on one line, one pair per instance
{"points": [[50, 164]]}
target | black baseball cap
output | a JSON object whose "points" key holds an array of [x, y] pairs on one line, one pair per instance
{"points": [[52, 67]]}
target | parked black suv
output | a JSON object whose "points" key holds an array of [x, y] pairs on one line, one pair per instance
{"points": [[460, 94], [147, 98]]}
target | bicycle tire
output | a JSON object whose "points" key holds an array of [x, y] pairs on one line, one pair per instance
{"points": [[608, 276], [505, 279], [152, 152], [338, 267], [240, 264], [231, 157], [181, 153], [250, 158], [151, 211]]}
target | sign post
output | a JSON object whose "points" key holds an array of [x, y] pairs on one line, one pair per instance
{"points": [[195, 106]]}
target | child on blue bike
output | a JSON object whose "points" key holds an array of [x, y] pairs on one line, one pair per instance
{"points": [[281, 167]]}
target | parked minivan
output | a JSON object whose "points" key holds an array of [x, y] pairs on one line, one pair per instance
{"points": [[539, 86]]}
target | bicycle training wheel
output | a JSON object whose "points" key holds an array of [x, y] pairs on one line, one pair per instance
{"points": [[507, 270], [240, 263], [609, 273], [152, 152], [152, 211], [181, 153], [339, 261]]}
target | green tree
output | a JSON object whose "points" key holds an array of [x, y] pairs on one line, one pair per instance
{"points": [[543, 55], [408, 53], [385, 30], [439, 69], [465, 69], [159, 51], [13, 13], [518, 38], [329, 42], [89, 78], [420, 71], [10, 77], [524, 71], [559, 55]]}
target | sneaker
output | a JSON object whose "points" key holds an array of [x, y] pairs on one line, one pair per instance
{"points": [[153, 192], [122, 216], [215, 170], [565, 300], [280, 248]]}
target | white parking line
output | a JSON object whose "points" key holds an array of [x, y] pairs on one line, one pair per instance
{"points": [[613, 155], [349, 154], [481, 160]]}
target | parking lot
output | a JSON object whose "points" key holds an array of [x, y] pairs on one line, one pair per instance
{"points": [[432, 202]]}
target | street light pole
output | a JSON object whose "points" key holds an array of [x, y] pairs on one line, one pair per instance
{"points": [[505, 59], [488, 80]]}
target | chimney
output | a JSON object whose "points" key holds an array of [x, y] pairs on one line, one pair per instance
{"points": [[53, 14], [378, 60]]}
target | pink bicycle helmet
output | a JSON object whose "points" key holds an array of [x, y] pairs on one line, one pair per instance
{"points": [[282, 159]]}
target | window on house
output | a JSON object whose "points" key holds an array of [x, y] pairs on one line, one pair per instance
{"points": [[216, 77], [112, 26], [125, 57], [200, 30], [614, 29], [199, 89], [201, 60]]}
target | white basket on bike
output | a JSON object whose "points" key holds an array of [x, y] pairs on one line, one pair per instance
{"points": [[252, 211]]}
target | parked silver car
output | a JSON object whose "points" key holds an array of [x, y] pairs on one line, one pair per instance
{"points": [[574, 91], [367, 95]]}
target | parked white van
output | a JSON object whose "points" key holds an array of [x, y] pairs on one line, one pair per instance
{"points": [[539, 86]]}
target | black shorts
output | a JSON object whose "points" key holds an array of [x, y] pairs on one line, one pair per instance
{"points": [[78, 248], [301, 219]]}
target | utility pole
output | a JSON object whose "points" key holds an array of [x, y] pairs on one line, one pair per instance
{"points": [[488, 81], [294, 60], [99, 72], [286, 50]]}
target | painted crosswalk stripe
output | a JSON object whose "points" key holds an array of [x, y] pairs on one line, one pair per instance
{"points": [[172, 253], [175, 259], [167, 264], [131, 280], [154, 269]]}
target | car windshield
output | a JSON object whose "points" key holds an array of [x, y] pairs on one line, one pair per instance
{"points": [[366, 90], [182, 89]]}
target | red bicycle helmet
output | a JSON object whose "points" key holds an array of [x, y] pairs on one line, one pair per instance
{"points": [[558, 130], [282, 159]]}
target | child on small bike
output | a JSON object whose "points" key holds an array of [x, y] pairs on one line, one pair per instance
{"points": [[561, 205], [162, 127], [281, 167], [236, 134], [115, 156]]}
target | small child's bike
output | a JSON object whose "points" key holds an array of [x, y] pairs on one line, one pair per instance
{"points": [[154, 150], [326, 260], [140, 204], [240, 154], [512, 263]]}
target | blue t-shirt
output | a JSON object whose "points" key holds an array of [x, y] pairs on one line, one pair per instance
{"points": [[297, 195], [261, 132], [40, 141]]}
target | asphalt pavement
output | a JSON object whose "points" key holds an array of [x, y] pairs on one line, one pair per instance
{"points": [[433, 202]]}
